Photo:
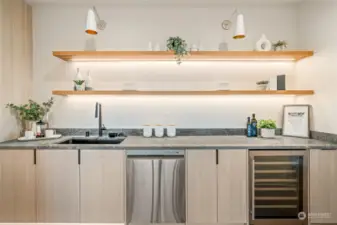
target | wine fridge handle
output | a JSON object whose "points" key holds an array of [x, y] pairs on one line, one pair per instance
{"points": [[253, 189]]}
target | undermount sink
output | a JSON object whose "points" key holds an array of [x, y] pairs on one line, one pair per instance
{"points": [[94, 141]]}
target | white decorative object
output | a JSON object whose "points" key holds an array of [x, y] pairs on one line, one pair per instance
{"points": [[159, 131], [50, 133], [147, 131], [240, 31], [78, 75], [29, 134], [150, 47], [56, 136], [263, 44], [171, 131], [272, 85], [157, 47], [267, 133], [91, 23], [296, 120], [88, 82]]}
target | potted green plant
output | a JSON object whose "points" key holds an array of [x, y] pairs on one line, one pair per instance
{"points": [[31, 112], [79, 85], [178, 46], [280, 45], [268, 128], [262, 85]]}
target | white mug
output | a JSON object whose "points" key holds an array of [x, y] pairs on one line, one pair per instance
{"points": [[50, 133], [29, 134]]}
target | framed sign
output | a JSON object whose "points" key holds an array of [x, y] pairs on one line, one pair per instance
{"points": [[296, 120]]}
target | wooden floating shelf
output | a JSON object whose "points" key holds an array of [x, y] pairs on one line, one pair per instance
{"points": [[92, 56], [229, 92]]}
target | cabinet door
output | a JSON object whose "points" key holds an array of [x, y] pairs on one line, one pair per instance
{"points": [[17, 186], [57, 186], [233, 204], [201, 186], [102, 186], [323, 186]]}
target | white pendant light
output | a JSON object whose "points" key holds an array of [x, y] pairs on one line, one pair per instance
{"points": [[91, 23], [240, 31]]}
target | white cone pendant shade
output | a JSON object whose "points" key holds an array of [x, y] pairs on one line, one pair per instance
{"points": [[240, 31], [91, 23]]}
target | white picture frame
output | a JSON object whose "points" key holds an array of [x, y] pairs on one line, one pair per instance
{"points": [[296, 121]]}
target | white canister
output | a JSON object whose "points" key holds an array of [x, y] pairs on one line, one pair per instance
{"points": [[147, 131], [159, 131], [171, 131]]}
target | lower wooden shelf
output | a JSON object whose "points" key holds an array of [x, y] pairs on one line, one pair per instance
{"points": [[229, 92]]}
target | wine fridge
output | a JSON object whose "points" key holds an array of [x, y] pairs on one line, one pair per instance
{"points": [[278, 184]]}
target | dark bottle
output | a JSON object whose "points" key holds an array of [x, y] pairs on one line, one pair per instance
{"points": [[254, 126]]}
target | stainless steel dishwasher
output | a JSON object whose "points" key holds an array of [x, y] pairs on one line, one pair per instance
{"points": [[155, 186]]}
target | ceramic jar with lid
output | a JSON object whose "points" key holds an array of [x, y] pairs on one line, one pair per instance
{"points": [[147, 131], [171, 131], [159, 131]]}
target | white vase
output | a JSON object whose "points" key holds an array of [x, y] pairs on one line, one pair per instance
{"points": [[88, 82], [263, 44], [78, 75], [267, 133]]}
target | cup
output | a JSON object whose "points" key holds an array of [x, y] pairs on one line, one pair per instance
{"points": [[29, 134], [50, 133]]}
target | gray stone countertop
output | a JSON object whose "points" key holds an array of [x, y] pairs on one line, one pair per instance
{"points": [[183, 142]]}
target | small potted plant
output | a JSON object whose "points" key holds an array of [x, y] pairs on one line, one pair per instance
{"points": [[280, 46], [79, 85], [31, 112], [178, 46], [262, 85], [268, 128]]}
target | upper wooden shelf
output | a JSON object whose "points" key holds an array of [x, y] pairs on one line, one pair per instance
{"points": [[164, 55], [229, 92]]}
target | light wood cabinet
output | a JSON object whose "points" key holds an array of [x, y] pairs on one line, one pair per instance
{"points": [[217, 187], [201, 184], [17, 186], [233, 200], [323, 186], [102, 186], [57, 186]]}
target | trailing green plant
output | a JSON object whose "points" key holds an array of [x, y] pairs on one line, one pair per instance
{"points": [[262, 82], [267, 124], [79, 82], [280, 43], [32, 111], [178, 46]]}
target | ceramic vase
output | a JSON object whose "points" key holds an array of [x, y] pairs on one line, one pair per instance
{"points": [[263, 44]]}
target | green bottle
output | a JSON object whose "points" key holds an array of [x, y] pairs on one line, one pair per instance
{"points": [[254, 126]]}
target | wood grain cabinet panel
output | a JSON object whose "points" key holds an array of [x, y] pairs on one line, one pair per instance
{"points": [[17, 186], [102, 186], [233, 187], [323, 187], [58, 186], [201, 186]]}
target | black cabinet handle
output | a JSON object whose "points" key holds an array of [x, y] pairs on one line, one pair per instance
{"points": [[79, 156], [34, 156], [217, 157]]}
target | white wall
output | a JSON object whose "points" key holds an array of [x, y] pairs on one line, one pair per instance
{"points": [[317, 30], [15, 61], [58, 27]]}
